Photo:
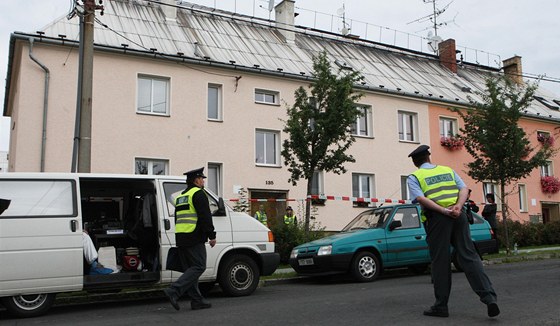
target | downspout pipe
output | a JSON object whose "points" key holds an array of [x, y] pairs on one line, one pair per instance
{"points": [[45, 103]]}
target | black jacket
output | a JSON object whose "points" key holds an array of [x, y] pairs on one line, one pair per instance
{"points": [[204, 227]]}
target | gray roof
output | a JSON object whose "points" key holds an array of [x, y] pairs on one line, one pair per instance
{"points": [[219, 37]]}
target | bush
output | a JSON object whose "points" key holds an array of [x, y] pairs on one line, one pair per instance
{"points": [[530, 234], [286, 237]]}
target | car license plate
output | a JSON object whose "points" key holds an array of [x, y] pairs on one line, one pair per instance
{"points": [[305, 262]]}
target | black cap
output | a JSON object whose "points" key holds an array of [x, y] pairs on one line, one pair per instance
{"points": [[193, 174], [420, 150], [289, 208]]}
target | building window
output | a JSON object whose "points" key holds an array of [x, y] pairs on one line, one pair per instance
{"points": [[214, 180], [363, 124], [150, 166], [492, 188], [362, 187], [447, 127], [267, 97], [407, 126], [214, 102], [522, 198], [267, 147], [405, 192], [546, 170], [153, 95]]}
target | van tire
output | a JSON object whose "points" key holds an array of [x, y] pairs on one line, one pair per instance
{"points": [[238, 275], [365, 267], [29, 305]]}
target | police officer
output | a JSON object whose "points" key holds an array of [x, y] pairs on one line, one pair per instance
{"points": [[260, 215], [442, 194], [289, 218], [193, 227]]}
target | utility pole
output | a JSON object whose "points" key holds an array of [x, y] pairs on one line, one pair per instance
{"points": [[85, 87]]}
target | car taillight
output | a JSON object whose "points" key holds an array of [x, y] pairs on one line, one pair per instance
{"points": [[270, 236]]}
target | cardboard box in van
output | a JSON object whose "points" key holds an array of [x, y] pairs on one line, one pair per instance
{"points": [[130, 220]]}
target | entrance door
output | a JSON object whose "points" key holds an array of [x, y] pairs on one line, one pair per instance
{"points": [[273, 202], [40, 235]]}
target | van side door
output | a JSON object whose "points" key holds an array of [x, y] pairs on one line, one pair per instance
{"points": [[40, 235], [222, 226]]}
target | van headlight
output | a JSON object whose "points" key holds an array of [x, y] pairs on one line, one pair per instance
{"points": [[324, 250], [294, 253]]}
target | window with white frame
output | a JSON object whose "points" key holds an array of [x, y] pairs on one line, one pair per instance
{"points": [[447, 127], [362, 186], [150, 166], [267, 147], [317, 183], [153, 95], [491, 188], [408, 122], [546, 170], [214, 178], [363, 124], [405, 192], [214, 102], [522, 198], [267, 97]]}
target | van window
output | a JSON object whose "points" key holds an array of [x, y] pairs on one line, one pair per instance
{"points": [[172, 190], [39, 198]]}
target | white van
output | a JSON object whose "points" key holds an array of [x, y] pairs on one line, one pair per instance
{"points": [[131, 219]]}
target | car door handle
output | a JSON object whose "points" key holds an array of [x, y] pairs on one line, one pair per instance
{"points": [[418, 237], [73, 225]]}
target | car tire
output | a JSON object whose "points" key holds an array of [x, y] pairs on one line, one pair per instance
{"points": [[365, 267], [29, 305], [238, 275]]}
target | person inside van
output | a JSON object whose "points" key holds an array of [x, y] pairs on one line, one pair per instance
{"points": [[93, 267]]}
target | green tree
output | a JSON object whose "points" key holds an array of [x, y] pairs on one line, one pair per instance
{"points": [[319, 125], [500, 149]]}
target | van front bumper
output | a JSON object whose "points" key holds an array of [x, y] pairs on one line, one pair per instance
{"points": [[270, 262]]}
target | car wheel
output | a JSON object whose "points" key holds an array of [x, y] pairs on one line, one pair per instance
{"points": [[238, 275], [365, 267], [29, 305]]}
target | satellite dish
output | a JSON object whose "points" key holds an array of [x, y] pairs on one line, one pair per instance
{"points": [[430, 34], [340, 11], [345, 30]]}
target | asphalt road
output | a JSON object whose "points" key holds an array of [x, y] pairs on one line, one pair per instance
{"points": [[528, 294]]}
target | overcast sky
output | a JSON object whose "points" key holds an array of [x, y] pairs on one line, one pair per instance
{"points": [[496, 29]]}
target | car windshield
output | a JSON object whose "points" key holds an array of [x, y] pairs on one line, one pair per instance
{"points": [[369, 219]]}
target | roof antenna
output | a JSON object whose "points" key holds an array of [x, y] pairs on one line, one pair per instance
{"points": [[345, 28]]}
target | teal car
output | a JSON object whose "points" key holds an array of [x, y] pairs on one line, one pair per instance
{"points": [[378, 239]]}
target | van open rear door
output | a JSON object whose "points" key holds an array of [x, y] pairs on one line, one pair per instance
{"points": [[40, 239]]}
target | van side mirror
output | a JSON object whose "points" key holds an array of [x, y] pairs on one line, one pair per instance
{"points": [[221, 211], [394, 225]]}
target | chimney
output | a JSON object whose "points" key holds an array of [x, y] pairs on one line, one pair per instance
{"points": [[448, 55], [285, 19], [169, 9], [513, 69]]}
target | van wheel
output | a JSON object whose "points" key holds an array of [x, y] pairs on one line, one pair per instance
{"points": [[238, 275], [365, 267], [29, 305]]}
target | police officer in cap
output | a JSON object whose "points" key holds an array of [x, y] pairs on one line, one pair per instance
{"points": [[442, 194], [193, 227]]}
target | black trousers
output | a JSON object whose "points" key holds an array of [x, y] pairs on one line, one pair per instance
{"points": [[443, 231], [193, 260]]}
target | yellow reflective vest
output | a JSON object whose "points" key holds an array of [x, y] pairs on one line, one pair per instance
{"points": [[185, 213], [289, 219], [261, 217], [438, 184]]}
